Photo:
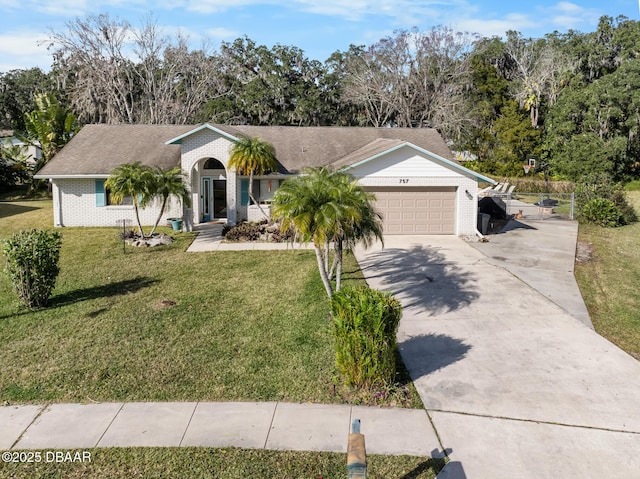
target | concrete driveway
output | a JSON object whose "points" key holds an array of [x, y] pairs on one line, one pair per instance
{"points": [[515, 385]]}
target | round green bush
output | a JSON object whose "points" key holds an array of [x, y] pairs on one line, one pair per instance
{"points": [[32, 264], [601, 211]]}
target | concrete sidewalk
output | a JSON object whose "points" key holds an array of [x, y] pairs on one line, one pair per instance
{"points": [[210, 239], [268, 425]]}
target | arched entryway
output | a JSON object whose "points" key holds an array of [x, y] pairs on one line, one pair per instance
{"points": [[213, 190]]}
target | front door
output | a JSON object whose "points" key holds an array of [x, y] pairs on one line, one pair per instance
{"points": [[220, 198], [214, 199]]}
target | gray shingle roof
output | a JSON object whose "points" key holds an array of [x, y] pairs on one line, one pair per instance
{"points": [[301, 147], [98, 149]]}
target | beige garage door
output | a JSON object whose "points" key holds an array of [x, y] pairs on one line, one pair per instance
{"points": [[416, 210]]}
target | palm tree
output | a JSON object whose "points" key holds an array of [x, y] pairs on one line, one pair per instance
{"points": [[324, 207], [363, 224], [169, 182], [252, 156], [135, 180], [50, 127]]}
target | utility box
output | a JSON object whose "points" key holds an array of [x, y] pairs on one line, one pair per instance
{"points": [[356, 453]]}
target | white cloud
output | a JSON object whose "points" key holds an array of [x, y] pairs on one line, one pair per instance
{"points": [[216, 6], [70, 8], [567, 15], [406, 12], [399, 10], [222, 33], [24, 47], [496, 27]]}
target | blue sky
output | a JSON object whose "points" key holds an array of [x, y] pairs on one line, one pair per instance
{"points": [[319, 27]]}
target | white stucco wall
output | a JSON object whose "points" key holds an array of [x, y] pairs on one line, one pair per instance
{"points": [[406, 167], [78, 201]]}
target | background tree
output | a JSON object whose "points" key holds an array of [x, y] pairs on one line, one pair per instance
{"points": [[414, 79], [277, 86], [18, 91], [116, 74], [49, 127], [540, 69], [595, 128], [489, 93], [456, 82]]}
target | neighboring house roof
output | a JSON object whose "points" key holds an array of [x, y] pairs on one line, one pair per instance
{"points": [[98, 149], [6, 133]]}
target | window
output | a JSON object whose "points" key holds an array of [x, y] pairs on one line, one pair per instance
{"points": [[213, 164], [244, 191], [103, 196], [127, 200]]}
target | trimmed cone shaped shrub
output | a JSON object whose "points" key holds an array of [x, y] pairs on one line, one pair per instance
{"points": [[32, 264], [365, 325]]}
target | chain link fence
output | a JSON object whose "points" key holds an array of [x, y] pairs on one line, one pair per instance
{"points": [[540, 206]]}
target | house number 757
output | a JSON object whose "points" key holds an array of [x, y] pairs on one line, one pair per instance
{"points": [[404, 180]]}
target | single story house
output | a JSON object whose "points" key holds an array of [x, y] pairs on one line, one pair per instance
{"points": [[32, 152], [419, 188]]}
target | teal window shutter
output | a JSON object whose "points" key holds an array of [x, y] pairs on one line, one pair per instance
{"points": [[100, 193], [244, 192]]}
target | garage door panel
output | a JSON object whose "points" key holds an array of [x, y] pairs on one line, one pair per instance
{"points": [[415, 210]]}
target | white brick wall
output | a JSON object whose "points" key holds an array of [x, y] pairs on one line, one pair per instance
{"points": [[75, 202], [78, 200], [208, 144]]}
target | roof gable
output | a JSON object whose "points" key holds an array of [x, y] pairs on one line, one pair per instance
{"points": [[403, 159], [178, 140]]}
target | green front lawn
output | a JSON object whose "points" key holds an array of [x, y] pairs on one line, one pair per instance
{"points": [[247, 325], [191, 463], [610, 282]]}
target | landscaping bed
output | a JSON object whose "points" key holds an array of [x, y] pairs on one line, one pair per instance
{"points": [[262, 231]]}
